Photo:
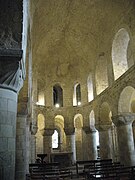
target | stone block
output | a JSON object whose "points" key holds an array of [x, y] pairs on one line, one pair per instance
{"points": [[3, 104], [4, 117], [3, 144], [11, 117], [12, 106], [6, 131], [11, 144]]}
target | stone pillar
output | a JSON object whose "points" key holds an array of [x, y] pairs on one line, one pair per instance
{"points": [[47, 146], [125, 138], [21, 148], [33, 142], [8, 109], [79, 143], [70, 142], [105, 141], [10, 84], [133, 127], [90, 144], [115, 155], [28, 145]]}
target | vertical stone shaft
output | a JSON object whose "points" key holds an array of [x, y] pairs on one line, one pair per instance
{"points": [[70, 142], [10, 84], [33, 142], [90, 144], [105, 140], [8, 109], [21, 148], [125, 138], [47, 146]]}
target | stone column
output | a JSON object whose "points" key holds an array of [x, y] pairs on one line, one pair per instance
{"points": [[90, 143], [125, 138], [22, 128], [47, 146], [21, 148], [10, 83], [79, 143], [33, 142], [70, 142], [133, 127], [105, 141]]}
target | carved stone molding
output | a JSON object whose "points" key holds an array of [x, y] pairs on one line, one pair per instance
{"points": [[89, 130], [11, 69], [47, 131], [123, 119], [103, 127]]}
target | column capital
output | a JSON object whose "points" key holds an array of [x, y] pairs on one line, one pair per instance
{"points": [[69, 131], [123, 119], [47, 131], [89, 130], [103, 127], [11, 69]]}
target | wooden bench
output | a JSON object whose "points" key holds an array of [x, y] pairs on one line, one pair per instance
{"points": [[81, 164], [48, 171], [114, 172]]}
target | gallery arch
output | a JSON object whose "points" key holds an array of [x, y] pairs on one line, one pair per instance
{"points": [[119, 52]]}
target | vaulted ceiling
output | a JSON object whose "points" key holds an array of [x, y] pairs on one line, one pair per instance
{"points": [[68, 35]]}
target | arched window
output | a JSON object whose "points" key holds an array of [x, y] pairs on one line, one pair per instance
{"points": [[57, 96], [90, 88], [119, 52], [77, 95], [55, 139]]}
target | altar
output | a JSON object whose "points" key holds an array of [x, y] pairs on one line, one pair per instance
{"points": [[64, 158]]}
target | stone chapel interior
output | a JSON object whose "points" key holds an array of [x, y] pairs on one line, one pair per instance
{"points": [[67, 82]]}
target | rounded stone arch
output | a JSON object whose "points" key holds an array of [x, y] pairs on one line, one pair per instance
{"points": [[59, 126], [92, 126], [105, 113], [92, 119], [59, 119], [57, 95], [40, 133], [126, 101], [77, 94], [101, 75], [122, 57], [40, 121], [78, 121]]}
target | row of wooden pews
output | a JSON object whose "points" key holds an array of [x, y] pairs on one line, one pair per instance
{"points": [[45, 171], [104, 169]]}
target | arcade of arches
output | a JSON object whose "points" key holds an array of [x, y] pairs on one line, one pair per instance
{"points": [[67, 82]]}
